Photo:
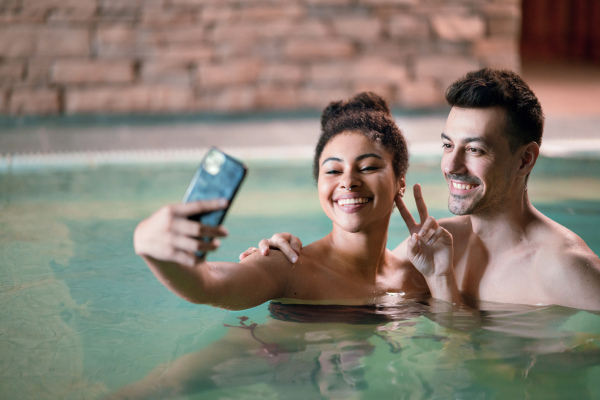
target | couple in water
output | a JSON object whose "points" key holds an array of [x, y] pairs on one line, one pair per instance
{"points": [[498, 248], [360, 163]]}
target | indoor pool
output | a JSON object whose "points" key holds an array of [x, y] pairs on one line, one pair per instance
{"points": [[83, 318]]}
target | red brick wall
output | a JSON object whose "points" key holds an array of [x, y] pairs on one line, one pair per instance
{"points": [[171, 56]]}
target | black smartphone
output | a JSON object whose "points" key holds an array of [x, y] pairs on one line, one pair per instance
{"points": [[218, 176]]}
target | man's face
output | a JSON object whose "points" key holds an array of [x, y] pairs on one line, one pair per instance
{"points": [[477, 162]]}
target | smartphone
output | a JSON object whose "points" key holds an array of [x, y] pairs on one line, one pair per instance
{"points": [[218, 176]]}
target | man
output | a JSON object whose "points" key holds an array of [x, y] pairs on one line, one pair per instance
{"points": [[504, 249]]}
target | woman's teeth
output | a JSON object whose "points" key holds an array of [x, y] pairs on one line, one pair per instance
{"points": [[462, 186], [343, 202]]}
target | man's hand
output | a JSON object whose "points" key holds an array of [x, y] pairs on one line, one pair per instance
{"points": [[168, 235], [410, 222], [289, 244]]}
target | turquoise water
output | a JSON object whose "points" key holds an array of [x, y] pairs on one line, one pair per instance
{"points": [[83, 318]]}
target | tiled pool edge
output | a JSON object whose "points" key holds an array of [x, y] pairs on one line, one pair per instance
{"points": [[18, 161]]}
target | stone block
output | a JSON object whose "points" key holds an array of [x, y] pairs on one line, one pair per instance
{"points": [[408, 27], [384, 90], [419, 94], [149, 98], [283, 10], [442, 68], [3, 101], [182, 52], [305, 49], [364, 29], [92, 71], [161, 17], [363, 71], [311, 28], [17, 41], [489, 47], [289, 74], [38, 71], [166, 71], [64, 41], [175, 34], [11, 72], [116, 41], [216, 14], [34, 102], [234, 72], [317, 96], [281, 97], [391, 2], [506, 26], [241, 32], [241, 98], [458, 27], [80, 15]]}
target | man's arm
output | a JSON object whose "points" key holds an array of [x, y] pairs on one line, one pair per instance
{"points": [[570, 276]]}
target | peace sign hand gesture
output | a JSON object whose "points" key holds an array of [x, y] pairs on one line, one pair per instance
{"points": [[430, 249]]}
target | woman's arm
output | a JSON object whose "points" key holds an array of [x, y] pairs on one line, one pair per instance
{"points": [[168, 240]]}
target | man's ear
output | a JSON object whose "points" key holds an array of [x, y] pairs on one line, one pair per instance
{"points": [[529, 155]]}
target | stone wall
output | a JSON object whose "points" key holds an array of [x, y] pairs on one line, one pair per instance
{"points": [[173, 56]]}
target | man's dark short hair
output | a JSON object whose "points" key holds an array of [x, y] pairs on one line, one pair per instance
{"points": [[489, 87]]}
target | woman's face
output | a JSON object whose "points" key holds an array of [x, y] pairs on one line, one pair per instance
{"points": [[356, 182]]}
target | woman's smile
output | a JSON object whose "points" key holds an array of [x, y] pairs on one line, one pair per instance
{"points": [[352, 202]]}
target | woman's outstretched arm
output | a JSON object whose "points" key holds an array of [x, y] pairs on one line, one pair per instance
{"points": [[168, 240]]}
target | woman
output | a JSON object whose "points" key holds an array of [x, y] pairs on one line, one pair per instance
{"points": [[359, 164]]}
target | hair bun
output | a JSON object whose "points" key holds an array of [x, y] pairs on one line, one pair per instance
{"points": [[363, 101]]}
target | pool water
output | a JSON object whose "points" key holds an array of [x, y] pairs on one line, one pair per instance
{"points": [[83, 318]]}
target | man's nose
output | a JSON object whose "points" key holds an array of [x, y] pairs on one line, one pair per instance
{"points": [[454, 163]]}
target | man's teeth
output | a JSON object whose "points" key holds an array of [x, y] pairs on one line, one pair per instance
{"points": [[462, 186], [343, 202]]}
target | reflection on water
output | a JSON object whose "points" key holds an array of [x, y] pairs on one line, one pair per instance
{"points": [[83, 318], [410, 352]]}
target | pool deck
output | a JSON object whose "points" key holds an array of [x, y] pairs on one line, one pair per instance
{"points": [[570, 98]]}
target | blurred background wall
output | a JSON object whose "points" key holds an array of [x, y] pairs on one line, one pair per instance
{"points": [[176, 56]]}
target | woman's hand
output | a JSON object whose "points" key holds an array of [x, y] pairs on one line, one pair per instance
{"points": [[168, 235], [289, 244]]}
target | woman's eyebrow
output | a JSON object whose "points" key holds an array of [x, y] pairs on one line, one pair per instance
{"points": [[368, 155], [331, 159], [361, 157]]}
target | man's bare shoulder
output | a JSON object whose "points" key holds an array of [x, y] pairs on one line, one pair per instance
{"points": [[568, 270]]}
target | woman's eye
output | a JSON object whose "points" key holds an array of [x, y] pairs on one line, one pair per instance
{"points": [[366, 169], [332, 172]]}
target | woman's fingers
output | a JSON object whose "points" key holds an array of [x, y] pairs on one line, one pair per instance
{"points": [[421, 206], [289, 245], [248, 252], [264, 246], [405, 213], [197, 207], [191, 228]]}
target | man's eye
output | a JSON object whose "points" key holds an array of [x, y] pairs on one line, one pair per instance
{"points": [[474, 150], [446, 146]]}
